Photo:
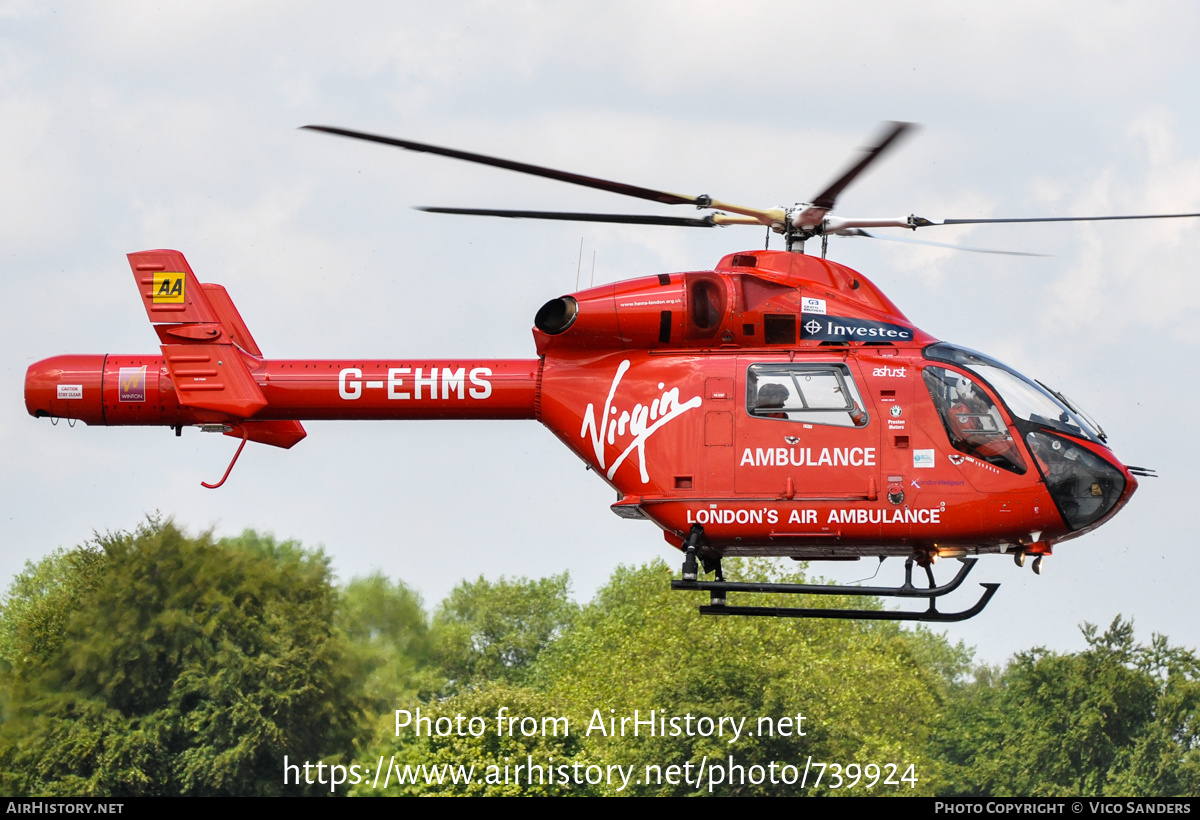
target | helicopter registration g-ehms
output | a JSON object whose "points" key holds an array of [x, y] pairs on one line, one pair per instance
{"points": [[777, 405]]}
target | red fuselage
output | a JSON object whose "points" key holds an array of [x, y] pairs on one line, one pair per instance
{"points": [[779, 401]]}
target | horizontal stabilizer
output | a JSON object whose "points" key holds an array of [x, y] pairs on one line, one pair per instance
{"points": [[279, 433]]}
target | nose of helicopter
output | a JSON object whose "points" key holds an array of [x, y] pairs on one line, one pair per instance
{"points": [[1087, 484], [66, 387]]}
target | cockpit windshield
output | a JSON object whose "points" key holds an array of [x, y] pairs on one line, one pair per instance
{"points": [[1026, 398]]}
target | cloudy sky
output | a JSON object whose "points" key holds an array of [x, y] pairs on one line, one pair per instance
{"points": [[126, 126]]}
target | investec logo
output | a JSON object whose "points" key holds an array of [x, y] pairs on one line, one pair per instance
{"points": [[844, 328]]}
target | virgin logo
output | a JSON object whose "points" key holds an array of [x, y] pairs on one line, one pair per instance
{"points": [[639, 423]]}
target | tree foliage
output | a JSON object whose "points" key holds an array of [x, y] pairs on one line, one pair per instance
{"points": [[172, 665], [40, 602], [430, 761], [492, 631], [1118, 719], [865, 688], [153, 663], [390, 645]]}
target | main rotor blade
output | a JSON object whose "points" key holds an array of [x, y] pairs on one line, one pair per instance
{"points": [[627, 219], [921, 222], [858, 232], [665, 197], [893, 131]]}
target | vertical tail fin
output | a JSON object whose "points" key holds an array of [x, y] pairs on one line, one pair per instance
{"points": [[206, 346]]}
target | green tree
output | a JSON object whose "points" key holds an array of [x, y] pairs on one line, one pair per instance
{"points": [[483, 762], [388, 631], [1118, 718], [389, 654], [41, 600], [867, 690], [493, 631], [153, 663]]}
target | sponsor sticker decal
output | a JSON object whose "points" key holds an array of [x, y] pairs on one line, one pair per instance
{"points": [[847, 329], [131, 384], [168, 288], [923, 459], [70, 391], [810, 305]]}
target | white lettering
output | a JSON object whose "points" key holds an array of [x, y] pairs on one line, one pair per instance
{"points": [[453, 380], [715, 515], [394, 381], [350, 389], [430, 381], [483, 387], [803, 456], [930, 515], [669, 408]]}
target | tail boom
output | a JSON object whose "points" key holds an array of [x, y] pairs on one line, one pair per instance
{"points": [[212, 374], [112, 390]]}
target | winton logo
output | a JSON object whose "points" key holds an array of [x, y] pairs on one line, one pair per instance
{"points": [[131, 384], [168, 288]]}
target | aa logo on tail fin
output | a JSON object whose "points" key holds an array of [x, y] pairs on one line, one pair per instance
{"points": [[168, 288]]}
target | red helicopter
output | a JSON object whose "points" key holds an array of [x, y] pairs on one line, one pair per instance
{"points": [[777, 405]]}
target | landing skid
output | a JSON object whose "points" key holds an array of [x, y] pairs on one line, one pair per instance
{"points": [[720, 587]]}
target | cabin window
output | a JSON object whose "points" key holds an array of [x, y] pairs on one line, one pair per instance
{"points": [[811, 393]]}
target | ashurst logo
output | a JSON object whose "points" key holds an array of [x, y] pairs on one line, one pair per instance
{"points": [[896, 372], [640, 422], [846, 329]]}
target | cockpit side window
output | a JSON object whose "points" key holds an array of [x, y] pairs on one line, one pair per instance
{"points": [[973, 422], [811, 393], [1026, 399]]}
